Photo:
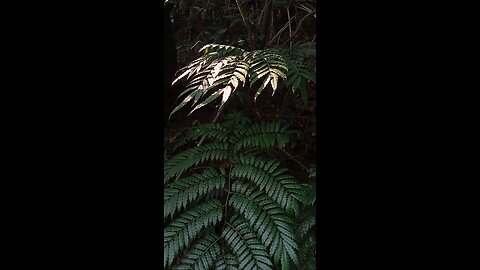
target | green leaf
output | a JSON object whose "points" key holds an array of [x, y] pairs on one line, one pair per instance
{"points": [[185, 190], [269, 221], [201, 255], [181, 231], [245, 245]]}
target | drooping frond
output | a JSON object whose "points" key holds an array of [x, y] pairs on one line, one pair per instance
{"points": [[266, 65], [226, 73], [195, 66], [222, 69], [202, 254], [193, 156], [201, 83], [185, 190], [227, 262], [235, 74], [268, 177], [263, 135], [245, 245], [182, 230], [270, 222]]}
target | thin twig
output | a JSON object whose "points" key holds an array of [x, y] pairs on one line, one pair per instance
{"points": [[289, 26], [263, 11], [293, 158], [247, 25], [281, 30], [228, 195], [299, 26]]}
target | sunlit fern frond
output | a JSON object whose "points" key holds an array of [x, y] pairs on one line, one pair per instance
{"points": [[223, 76], [222, 50], [267, 66], [222, 69]]}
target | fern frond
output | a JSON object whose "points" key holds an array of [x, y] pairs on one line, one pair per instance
{"points": [[193, 156], [189, 70], [226, 262], [201, 83], [210, 130], [181, 231], [306, 233], [235, 118], [270, 222], [302, 51], [263, 135], [258, 232], [245, 245], [202, 254], [266, 175], [222, 50], [185, 190], [266, 65], [298, 76], [227, 72], [310, 196], [236, 72], [224, 68]]}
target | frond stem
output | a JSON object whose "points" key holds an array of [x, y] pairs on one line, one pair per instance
{"points": [[228, 196], [209, 247]]}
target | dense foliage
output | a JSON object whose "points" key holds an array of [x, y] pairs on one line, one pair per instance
{"points": [[235, 201], [239, 187]]}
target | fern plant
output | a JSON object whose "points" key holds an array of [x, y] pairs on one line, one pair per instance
{"points": [[223, 69], [226, 206], [306, 230]]}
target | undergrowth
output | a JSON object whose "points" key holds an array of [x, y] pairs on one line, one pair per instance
{"points": [[228, 206]]}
